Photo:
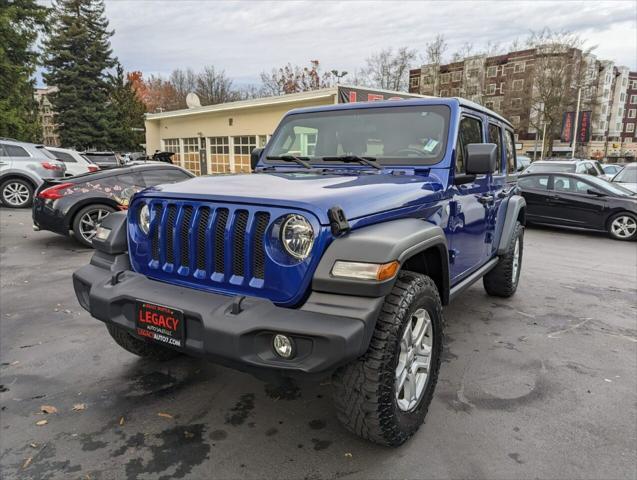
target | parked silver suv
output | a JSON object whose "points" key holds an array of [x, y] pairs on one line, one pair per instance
{"points": [[22, 167]]}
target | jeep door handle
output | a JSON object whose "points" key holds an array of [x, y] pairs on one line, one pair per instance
{"points": [[486, 199]]}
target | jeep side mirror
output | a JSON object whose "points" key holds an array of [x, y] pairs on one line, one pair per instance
{"points": [[254, 157], [482, 158]]}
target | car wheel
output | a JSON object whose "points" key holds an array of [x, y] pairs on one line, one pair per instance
{"points": [[86, 222], [140, 347], [623, 226], [384, 395], [16, 193], [502, 280]]}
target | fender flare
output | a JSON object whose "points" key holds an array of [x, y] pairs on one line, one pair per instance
{"points": [[514, 206], [380, 243]]}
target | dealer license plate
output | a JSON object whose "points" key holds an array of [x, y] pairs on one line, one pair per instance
{"points": [[161, 324]]}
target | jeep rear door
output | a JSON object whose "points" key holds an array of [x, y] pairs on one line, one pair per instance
{"points": [[497, 184]]}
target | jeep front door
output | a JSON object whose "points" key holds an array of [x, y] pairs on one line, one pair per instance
{"points": [[466, 228]]}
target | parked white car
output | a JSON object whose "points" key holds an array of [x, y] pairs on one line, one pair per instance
{"points": [[75, 162], [627, 178]]}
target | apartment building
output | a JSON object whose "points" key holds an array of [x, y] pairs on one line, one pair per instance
{"points": [[50, 136], [629, 120], [505, 84]]}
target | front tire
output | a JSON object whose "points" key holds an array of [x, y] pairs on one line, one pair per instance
{"points": [[502, 280], [384, 395], [623, 226], [87, 220], [16, 193], [139, 347]]}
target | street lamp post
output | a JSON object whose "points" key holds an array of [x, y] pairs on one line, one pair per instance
{"points": [[579, 96], [338, 75]]}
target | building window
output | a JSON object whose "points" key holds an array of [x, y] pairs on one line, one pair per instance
{"points": [[444, 93], [518, 67], [492, 71], [172, 145], [633, 84], [489, 105], [191, 155], [243, 146], [473, 73], [632, 113], [518, 85], [263, 139], [622, 97], [515, 120], [516, 102], [455, 92], [444, 78], [456, 76], [414, 81], [427, 79], [633, 99], [492, 89], [630, 127], [219, 155]]}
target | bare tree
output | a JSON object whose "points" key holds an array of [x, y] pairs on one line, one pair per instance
{"points": [[184, 82], [214, 87], [466, 50], [388, 69], [559, 68], [433, 58], [294, 79]]}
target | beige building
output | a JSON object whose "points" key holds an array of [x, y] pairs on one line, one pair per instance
{"points": [[50, 136], [219, 138]]}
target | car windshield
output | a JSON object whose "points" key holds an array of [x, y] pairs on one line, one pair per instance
{"points": [[550, 167], [609, 186], [101, 158], [627, 175], [392, 135]]}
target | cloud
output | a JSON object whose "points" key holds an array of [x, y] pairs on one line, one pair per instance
{"points": [[245, 38]]}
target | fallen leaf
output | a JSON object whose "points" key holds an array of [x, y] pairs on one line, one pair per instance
{"points": [[27, 462], [39, 423], [48, 409], [79, 406], [188, 434], [121, 421], [33, 445], [15, 363], [348, 455], [165, 415]]}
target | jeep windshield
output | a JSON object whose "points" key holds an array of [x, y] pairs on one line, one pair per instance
{"points": [[414, 135]]}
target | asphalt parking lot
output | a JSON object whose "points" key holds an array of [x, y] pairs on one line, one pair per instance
{"points": [[543, 385]]}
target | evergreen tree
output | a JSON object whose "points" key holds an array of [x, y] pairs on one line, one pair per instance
{"points": [[78, 57], [20, 23], [128, 110]]}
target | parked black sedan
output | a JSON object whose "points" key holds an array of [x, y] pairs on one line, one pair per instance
{"points": [[580, 201], [77, 205]]}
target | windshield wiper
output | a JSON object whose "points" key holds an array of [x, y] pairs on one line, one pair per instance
{"points": [[371, 161], [291, 158]]}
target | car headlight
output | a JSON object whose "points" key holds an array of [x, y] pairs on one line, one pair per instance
{"points": [[144, 219], [297, 236]]}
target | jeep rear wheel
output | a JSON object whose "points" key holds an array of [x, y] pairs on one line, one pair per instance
{"points": [[384, 395], [502, 280], [140, 347]]}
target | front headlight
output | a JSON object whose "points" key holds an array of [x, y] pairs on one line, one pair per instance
{"points": [[297, 236], [144, 219]]}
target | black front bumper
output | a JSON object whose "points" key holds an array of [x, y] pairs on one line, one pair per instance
{"points": [[328, 330]]}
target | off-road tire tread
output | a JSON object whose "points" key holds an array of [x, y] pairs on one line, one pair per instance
{"points": [[140, 347], [498, 281], [362, 390]]}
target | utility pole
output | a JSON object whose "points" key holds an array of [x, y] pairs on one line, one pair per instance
{"points": [[579, 96], [338, 75], [543, 137]]}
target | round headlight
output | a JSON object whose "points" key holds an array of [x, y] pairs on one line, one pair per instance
{"points": [[297, 236], [144, 219]]}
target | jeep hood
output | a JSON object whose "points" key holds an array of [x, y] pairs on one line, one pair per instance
{"points": [[359, 195]]}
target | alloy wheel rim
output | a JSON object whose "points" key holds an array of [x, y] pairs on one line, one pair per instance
{"points": [[624, 226], [516, 260], [16, 194], [414, 359], [90, 221]]}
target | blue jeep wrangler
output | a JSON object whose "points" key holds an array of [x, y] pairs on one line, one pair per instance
{"points": [[335, 257]]}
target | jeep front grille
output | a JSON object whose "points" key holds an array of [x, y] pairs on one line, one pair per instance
{"points": [[208, 241]]}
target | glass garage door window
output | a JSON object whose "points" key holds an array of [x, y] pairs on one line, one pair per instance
{"points": [[243, 146], [191, 155], [172, 145], [219, 155]]}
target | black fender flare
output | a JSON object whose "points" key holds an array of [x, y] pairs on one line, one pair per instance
{"points": [[379, 243], [514, 206]]}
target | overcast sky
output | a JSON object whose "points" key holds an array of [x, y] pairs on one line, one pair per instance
{"points": [[244, 38]]}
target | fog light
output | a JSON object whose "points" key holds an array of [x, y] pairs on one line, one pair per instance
{"points": [[283, 346]]}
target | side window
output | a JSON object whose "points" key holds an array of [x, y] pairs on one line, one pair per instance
{"points": [[15, 151], [563, 184], [127, 180], [165, 175], [470, 131], [3, 153], [510, 152], [495, 136], [583, 187], [581, 168], [65, 157], [591, 170], [535, 182]]}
